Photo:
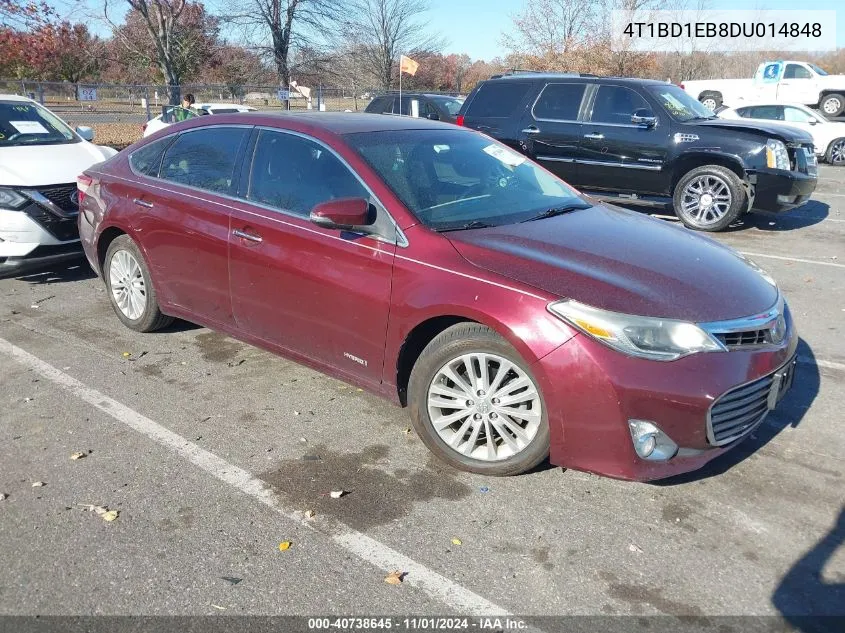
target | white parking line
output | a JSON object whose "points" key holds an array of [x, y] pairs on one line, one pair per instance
{"points": [[794, 259], [455, 596], [827, 364]]}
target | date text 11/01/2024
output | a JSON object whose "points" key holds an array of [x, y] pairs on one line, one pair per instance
{"points": [[417, 623], [652, 30]]}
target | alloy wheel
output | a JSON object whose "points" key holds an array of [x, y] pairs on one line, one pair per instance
{"points": [[837, 152], [706, 200], [127, 285], [484, 407]]}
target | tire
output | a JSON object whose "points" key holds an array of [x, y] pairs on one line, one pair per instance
{"points": [[517, 453], [710, 100], [728, 198], [130, 288], [832, 105], [835, 154]]}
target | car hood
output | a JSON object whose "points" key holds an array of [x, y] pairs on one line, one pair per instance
{"points": [[777, 130], [619, 260], [39, 165]]}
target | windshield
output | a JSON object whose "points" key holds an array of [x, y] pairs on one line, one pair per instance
{"points": [[26, 123], [451, 104], [819, 71], [459, 179], [679, 104]]}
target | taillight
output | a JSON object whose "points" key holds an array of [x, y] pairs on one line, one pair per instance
{"points": [[459, 120], [82, 184]]}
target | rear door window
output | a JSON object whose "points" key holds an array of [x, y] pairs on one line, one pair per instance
{"points": [[560, 102], [204, 158], [771, 112], [498, 99]]}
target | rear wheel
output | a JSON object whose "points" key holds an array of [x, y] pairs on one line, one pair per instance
{"points": [[710, 100], [476, 405], [835, 154], [130, 287], [709, 198], [832, 105]]}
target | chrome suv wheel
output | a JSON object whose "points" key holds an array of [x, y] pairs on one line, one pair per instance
{"points": [[709, 198]]}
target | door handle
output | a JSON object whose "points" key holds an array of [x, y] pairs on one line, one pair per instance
{"points": [[531, 130], [594, 136], [251, 237], [143, 203]]}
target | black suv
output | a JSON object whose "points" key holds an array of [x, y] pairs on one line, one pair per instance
{"points": [[429, 106], [646, 142]]}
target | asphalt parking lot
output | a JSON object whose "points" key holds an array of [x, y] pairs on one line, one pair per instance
{"points": [[213, 453]]}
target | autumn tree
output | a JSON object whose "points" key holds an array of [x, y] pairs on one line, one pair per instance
{"points": [[235, 67], [19, 52], [174, 36]]}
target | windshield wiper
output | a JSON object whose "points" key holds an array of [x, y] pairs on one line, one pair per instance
{"points": [[475, 224], [550, 213]]}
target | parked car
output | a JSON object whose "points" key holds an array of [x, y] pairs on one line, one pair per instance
{"points": [[429, 106], [442, 270], [173, 114], [778, 81], [828, 136], [648, 143], [40, 158]]}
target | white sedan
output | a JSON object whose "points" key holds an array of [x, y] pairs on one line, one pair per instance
{"points": [[828, 136], [173, 114]]}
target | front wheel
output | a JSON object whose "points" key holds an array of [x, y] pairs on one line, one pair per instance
{"points": [[709, 198], [476, 405], [832, 105], [835, 154]]}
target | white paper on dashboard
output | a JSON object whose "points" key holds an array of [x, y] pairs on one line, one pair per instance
{"points": [[29, 127]]}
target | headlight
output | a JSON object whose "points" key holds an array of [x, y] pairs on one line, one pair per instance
{"points": [[11, 199], [643, 337], [776, 155]]}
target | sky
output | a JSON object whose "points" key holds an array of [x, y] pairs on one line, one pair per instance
{"points": [[475, 27]]}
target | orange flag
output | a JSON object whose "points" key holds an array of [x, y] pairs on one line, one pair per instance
{"points": [[408, 65]]}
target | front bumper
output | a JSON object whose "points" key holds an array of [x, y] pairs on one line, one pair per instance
{"points": [[26, 243], [778, 190], [592, 391]]}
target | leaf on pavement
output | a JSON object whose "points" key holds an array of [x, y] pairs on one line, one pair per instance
{"points": [[309, 514], [284, 546], [38, 484], [127, 354], [395, 577], [110, 515], [337, 494], [217, 606], [77, 455], [457, 541], [635, 549], [3, 496]]}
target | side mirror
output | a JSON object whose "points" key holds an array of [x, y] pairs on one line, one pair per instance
{"points": [[813, 121], [85, 132], [644, 117], [346, 214], [433, 116]]}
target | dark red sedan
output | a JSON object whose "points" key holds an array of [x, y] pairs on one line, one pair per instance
{"points": [[514, 317]]}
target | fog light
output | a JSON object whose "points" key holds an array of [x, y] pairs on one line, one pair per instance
{"points": [[650, 442]]}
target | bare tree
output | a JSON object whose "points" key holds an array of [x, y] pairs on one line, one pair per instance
{"points": [[549, 28], [289, 32], [381, 30]]}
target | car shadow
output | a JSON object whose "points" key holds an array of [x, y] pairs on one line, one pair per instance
{"points": [[790, 413], [67, 271], [804, 598], [816, 212]]}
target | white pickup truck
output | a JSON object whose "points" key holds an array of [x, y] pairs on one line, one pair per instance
{"points": [[779, 81]]}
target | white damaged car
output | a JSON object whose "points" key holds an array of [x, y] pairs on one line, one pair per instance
{"points": [[40, 158]]}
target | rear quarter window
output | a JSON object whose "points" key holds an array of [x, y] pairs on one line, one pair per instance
{"points": [[146, 160], [497, 99]]}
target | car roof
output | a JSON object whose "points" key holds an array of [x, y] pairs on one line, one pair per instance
{"points": [[4, 97], [334, 122], [220, 105], [547, 76], [747, 104]]}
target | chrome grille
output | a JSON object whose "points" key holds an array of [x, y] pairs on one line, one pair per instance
{"points": [[748, 337], [739, 410]]}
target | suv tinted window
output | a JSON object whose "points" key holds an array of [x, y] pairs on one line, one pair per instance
{"points": [[294, 174], [147, 159], [560, 102], [497, 99], [381, 105], [204, 158], [616, 104], [794, 71]]}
